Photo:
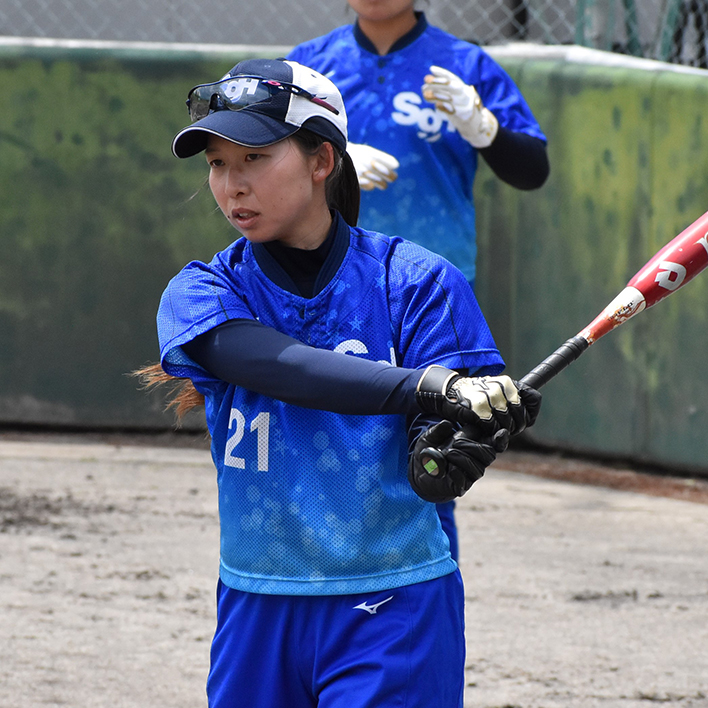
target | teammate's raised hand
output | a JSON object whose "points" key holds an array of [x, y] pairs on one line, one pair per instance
{"points": [[463, 461], [490, 403], [450, 94], [375, 169]]}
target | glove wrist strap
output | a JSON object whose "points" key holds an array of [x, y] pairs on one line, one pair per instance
{"points": [[436, 379], [431, 391]]}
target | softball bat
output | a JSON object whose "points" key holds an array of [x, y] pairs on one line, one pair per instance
{"points": [[678, 262]]}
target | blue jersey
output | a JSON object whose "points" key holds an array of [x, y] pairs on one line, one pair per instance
{"points": [[431, 201], [312, 502]]}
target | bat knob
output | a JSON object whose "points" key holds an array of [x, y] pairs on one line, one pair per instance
{"points": [[433, 462]]}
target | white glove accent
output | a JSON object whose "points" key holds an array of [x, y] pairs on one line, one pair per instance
{"points": [[374, 168], [486, 394], [450, 94]]}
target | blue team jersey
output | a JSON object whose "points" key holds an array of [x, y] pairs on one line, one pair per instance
{"points": [[431, 201], [312, 502]]}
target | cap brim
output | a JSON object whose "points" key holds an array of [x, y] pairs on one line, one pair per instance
{"points": [[241, 127]]}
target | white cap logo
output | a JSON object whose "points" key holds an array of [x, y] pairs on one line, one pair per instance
{"points": [[236, 89]]}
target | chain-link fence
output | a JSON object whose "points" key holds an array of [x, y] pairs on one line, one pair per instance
{"points": [[669, 30]]}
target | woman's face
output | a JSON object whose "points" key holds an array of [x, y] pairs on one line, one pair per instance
{"points": [[273, 193], [381, 10]]}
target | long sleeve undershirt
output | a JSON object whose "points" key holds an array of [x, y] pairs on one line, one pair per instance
{"points": [[248, 354], [518, 159]]}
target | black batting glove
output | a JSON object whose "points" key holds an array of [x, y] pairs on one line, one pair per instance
{"points": [[463, 463], [490, 403]]}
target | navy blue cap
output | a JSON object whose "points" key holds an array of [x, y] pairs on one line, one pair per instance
{"points": [[276, 118]]}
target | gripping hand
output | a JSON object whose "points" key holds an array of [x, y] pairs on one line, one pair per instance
{"points": [[465, 460], [374, 168], [489, 403], [450, 94]]}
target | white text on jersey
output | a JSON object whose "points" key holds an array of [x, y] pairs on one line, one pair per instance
{"points": [[428, 120]]}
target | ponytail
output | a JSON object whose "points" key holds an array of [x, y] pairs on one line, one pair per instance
{"points": [[345, 193], [182, 395], [342, 185]]}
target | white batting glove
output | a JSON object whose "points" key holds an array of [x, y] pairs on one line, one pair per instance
{"points": [[450, 94], [375, 169]]}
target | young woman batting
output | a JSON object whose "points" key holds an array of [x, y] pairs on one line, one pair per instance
{"points": [[327, 357]]}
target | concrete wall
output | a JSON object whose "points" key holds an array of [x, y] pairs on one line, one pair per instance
{"points": [[97, 216], [628, 143]]}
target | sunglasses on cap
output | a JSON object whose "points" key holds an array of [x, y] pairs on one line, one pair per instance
{"points": [[237, 92]]}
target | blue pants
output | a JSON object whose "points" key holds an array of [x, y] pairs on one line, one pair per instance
{"points": [[402, 647]]}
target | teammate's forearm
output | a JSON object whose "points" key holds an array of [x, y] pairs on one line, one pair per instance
{"points": [[248, 354], [518, 159]]}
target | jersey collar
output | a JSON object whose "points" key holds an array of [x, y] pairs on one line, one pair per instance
{"points": [[365, 43], [337, 243]]}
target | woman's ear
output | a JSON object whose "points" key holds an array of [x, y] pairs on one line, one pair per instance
{"points": [[324, 162]]}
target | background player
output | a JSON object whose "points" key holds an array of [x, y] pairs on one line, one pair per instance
{"points": [[324, 545], [434, 102]]}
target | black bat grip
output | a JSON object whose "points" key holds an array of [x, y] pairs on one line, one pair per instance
{"points": [[562, 357]]}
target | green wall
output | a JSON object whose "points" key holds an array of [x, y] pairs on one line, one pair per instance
{"points": [[97, 216], [628, 148]]}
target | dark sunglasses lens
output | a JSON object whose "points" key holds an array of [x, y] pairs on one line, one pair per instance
{"points": [[233, 94], [198, 104]]}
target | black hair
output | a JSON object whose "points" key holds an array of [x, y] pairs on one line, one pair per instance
{"points": [[342, 185]]}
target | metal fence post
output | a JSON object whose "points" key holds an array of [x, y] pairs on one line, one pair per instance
{"points": [[634, 44]]}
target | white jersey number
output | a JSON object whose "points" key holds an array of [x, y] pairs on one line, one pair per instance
{"points": [[261, 425]]}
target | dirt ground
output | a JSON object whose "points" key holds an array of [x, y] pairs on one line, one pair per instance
{"points": [[586, 586]]}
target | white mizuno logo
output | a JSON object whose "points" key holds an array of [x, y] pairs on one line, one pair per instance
{"points": [[371, 609]]}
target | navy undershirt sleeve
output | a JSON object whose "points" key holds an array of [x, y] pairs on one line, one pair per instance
{"points": [[518, 159], [248, 354]]}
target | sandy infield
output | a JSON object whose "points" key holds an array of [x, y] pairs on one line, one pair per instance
{"points": [[578, 595]]}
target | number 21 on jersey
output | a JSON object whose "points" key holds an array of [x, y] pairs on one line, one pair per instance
{"points": [[260, 425]]}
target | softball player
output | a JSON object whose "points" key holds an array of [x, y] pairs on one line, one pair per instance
{"points": [[422, 105], [434, 103], [324, 352]]}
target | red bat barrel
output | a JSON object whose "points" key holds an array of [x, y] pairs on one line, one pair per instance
{"points": [[675, 264]]}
